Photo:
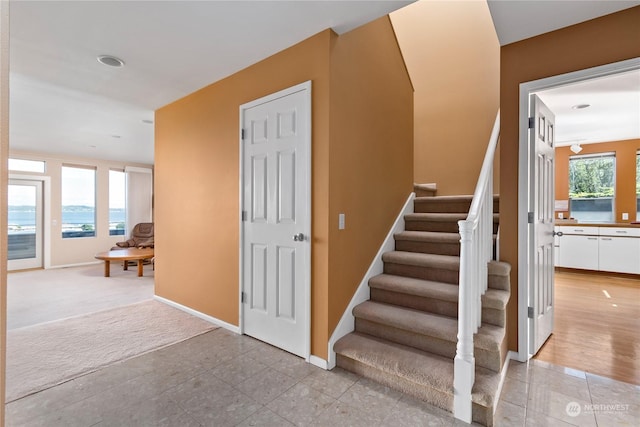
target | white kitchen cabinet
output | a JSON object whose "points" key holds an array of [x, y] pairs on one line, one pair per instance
{"points": [[578, 251], [614, 249], [619, 254]]}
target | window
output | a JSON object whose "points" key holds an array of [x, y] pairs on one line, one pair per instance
{"points": [[78, 201], [592, 187], [117, 204], [21, 165]]}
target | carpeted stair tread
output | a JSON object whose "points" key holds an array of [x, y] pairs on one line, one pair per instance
{"points": [[446, 262], [493, 298], [442, 217], [425, 190], [409, 363], [416, 366], [460, 204], [416, 287], [444, 328], [435, 217], [428, 236], [496, 299]]}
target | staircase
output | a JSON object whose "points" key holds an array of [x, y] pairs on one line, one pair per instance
{"points": [[406, 333]]}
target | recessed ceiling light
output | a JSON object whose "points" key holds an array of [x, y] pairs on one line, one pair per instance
{"points": [[116, 136], [111, 61], [147, 121], [581, 106]]}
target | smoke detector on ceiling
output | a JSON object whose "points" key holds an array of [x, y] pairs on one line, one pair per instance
{"points": [[111, 61]]}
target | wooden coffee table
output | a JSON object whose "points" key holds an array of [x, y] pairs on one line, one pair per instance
{"points": [[125, 254]]}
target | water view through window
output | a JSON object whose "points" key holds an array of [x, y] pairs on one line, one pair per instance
{"points": [[78, 202]]}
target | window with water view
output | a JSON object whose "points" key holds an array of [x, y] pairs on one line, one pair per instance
{"points": [[592, 187], [78, 202], [117, 212]]}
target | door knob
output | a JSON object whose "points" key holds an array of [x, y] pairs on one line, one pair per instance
{"points": [[298, 237]]}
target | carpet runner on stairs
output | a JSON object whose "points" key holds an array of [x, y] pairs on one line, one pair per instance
{"points": [[406, 334]]}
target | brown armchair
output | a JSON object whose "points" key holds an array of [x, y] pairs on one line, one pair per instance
{"points": [[141, 237]]}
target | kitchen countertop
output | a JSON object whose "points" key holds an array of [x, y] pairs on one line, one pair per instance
{"points": [[591, 224]]}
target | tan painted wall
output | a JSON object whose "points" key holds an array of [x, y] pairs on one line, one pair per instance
{"points": [[76, 250], [371, 153], [453, 56], [605, 40], [625, 190], [197, 176], [197, 169]]}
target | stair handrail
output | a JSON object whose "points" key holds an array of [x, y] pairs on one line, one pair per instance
{"points": [[476, 250]]}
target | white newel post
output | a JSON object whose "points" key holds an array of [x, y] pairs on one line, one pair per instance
{"points": [[464, 363]]}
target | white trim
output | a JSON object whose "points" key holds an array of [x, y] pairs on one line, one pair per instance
{"points": [[319, 362], [206, 317], [306, 88], [46, 213], [523, 179], [79, 264], [347, 322], [137, 169]]}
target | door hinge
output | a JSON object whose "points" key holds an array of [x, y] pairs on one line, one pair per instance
{"points": [[530, 217], [244, 215], [530, 312], [242, 134], [532, 122], [243, 297]]}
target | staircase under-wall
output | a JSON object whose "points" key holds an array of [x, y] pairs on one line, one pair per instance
{"points": [[406, 333]]}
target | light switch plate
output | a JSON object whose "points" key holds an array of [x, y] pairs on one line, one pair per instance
{"points": [[625, 216], [341, 221]]}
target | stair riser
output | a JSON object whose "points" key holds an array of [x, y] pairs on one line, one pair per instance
{"points": [[444, 348], [440, 206], [425, 273], [437, 248], [440, 226], [424, 193], [430, 305], [440, 275]]}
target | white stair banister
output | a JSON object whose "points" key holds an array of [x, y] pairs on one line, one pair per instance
{"points": [[476, 250]]}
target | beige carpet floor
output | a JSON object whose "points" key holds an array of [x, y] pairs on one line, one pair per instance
{"points": [[47, 354], [38, 296]]}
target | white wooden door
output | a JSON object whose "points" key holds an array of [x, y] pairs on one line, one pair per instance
{"points": [[541, 250], [25, 224], [276, 199]]}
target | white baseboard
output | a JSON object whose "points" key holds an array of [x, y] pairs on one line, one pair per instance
{"points": [[206, 317], [347, 322], [319, 362], [80, 264]]}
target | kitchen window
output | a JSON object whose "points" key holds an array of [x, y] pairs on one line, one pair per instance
{"points": [[592, 187]]}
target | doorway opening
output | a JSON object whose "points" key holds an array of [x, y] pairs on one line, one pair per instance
{"points": [[526, 230]]}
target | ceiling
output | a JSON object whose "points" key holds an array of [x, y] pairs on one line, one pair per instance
{"points": [[613, 113], [63, 101]]}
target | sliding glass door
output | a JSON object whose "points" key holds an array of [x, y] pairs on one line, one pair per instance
{"points": [[25, 224]]}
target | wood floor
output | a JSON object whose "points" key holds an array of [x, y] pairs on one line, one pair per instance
{"points": [[597, 325]]}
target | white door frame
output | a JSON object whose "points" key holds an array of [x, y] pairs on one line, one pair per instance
{"points": [[523, 179], [306, 86], [46, 213]]}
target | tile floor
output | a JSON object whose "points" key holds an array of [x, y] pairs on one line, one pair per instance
{"points": [[223, 379]]}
